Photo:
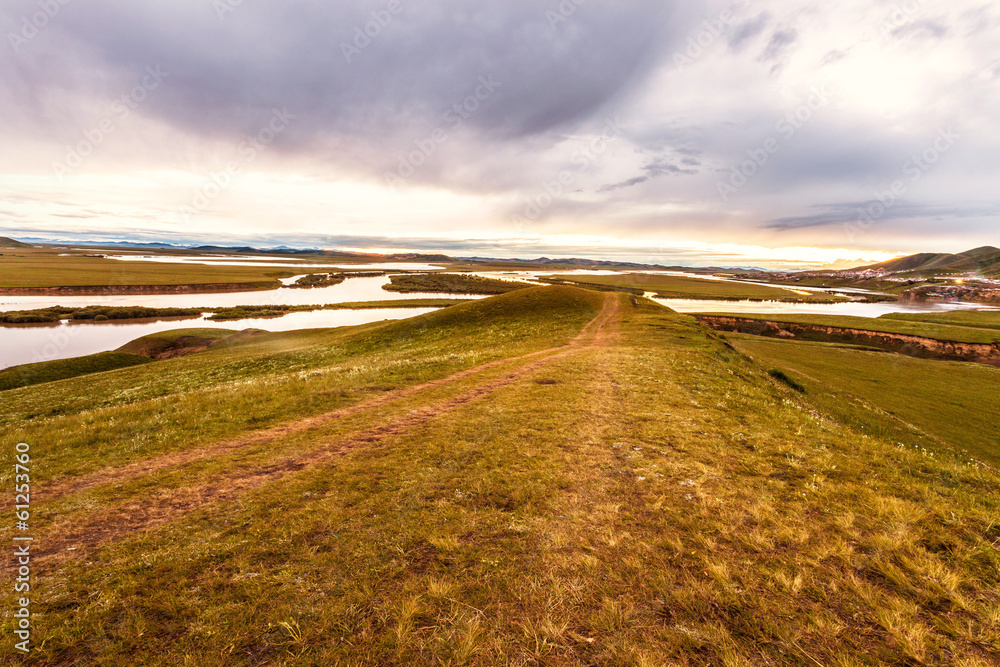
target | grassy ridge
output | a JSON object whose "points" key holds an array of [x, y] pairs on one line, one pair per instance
{"points": [[265, 379], [682, 287], [655, 500], [156, 344], [51, 371], [943, 331]]}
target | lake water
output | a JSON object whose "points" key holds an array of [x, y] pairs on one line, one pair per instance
{"points": [[45, 342], [351, 290]]}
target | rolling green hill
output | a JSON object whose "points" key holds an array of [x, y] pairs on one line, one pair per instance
{"points": [[985, 260], [552, 476], [11, 243]]}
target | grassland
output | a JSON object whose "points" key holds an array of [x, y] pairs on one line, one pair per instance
{"points": [[24, 268], [319, 280], [980, 319], [52, 371], [919, 402], [890, 324], [449, 283], [489, 484], [162, 343], [98, 313], [683, 287]]}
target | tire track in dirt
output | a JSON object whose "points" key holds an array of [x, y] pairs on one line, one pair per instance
{"points": [[139, 468], [169, 504]]}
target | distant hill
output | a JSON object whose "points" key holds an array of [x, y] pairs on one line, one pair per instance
{"points": [[11, 243], [985, 260]]}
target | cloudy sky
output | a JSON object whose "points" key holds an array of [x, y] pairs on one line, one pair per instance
{"points": [[771, 133]]}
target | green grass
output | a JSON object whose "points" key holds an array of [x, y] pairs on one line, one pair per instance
{"points": [[682, 287], [57, 313], [448, 283], [655, 500], [263, 379], [33, 267], [942, 331], [939, 405], [51, 371], [982, 319], [319, 280], [158, 343]]}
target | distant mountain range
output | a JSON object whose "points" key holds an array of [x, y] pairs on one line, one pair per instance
{"points": [[984, 261]]}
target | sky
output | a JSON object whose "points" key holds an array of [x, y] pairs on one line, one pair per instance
{"points": [[781, 134]]}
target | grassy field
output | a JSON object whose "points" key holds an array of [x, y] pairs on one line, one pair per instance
{"points": [[97, 313], [157, 344], [494, 483], [927, 403], [44, 267], [682, 287], [888, 324], [982, 319], [51, 371]]}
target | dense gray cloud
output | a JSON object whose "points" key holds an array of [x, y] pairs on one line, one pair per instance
{"points": [[348, 71]]}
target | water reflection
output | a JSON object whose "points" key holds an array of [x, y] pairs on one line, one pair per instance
{"points": [[24, 344]]}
